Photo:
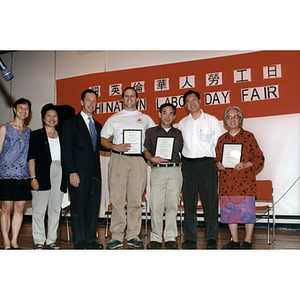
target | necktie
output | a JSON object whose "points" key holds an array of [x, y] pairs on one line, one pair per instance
{"points": [[93, 132]]}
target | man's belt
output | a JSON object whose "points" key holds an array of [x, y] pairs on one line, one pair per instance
{"points": [[127, 154], [196, 158], [166, 165]]}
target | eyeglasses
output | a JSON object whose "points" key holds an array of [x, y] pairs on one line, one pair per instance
{"points": [[235, 117]]}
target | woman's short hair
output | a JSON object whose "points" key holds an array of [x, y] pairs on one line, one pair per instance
{"points": [[22, 101], [46, 108], [239, 114]]}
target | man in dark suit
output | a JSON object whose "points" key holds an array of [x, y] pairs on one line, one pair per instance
{"points": [[80, 152]]}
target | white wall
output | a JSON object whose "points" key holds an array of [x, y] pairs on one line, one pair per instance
{"points": [[118, 60], [76, 63], [36, 72], [6, 113], [278, 138], [34, 79]]}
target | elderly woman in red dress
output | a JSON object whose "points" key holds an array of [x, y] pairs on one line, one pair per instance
{"points": [[237, 185]]}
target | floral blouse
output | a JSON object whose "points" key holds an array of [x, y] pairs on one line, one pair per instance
{"points": [[240, 182], [13, 158]]}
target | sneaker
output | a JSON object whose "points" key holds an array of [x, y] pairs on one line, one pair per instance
{"points": [[136, 243], [113, 244], [232, 245], [246, 246]]}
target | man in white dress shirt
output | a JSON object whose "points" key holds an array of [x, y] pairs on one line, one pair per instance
{"points": [[200, 133]]}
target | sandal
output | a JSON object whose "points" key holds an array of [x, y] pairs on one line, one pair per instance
{"points": [[15, 248], [38, 247], [53, 246]]}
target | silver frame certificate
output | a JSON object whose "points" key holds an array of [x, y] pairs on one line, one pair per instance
{"points": [[134, 138], [164, 147], [231, 155]]}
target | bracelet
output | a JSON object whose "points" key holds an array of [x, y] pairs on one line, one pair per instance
{"points": [[32, 178]]}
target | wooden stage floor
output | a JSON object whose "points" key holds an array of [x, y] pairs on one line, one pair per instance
{"points": [[284, 240]]}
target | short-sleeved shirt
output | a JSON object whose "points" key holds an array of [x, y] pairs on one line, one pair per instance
{"points": [[158, 131], [125, 119], [200, 136]]}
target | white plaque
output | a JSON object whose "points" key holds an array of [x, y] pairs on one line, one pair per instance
{"points": [[164, 147], [231, 155], [134, 138]]}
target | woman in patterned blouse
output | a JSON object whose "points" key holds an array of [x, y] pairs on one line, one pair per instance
{"points": [[237, 185], [15, 187]]}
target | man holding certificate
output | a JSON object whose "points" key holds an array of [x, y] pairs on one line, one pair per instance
{"points": [[200, 133], [163, 145], [238, 157], [127, 169]]}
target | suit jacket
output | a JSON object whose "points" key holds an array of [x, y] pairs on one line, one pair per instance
{"points": [[40, 151], [77, 149]]}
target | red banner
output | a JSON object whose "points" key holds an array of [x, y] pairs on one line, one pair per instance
{"points": [[263, 83]]}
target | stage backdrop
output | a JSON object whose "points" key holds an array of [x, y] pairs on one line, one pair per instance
{"points": [[262, 84]]}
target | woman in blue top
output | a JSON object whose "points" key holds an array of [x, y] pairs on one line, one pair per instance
{"points": [[15, 187]]}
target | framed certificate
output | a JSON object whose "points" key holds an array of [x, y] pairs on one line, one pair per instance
{"points": [[231, 155], [164, 147], [133, 137]]}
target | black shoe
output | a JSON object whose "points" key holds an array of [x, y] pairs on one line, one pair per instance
{"points": [[211, 244], [153, 245], [171, 245], [15, 248], [246, 246], [189, 245], [94, 246], [232, 245], [80, 246]]}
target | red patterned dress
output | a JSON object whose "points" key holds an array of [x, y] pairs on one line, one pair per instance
{"points": [[237, 188]]}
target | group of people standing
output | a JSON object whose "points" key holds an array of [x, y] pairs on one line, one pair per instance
{"points": [[31, 169], [58, 159]]}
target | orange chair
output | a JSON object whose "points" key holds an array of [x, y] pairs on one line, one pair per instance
{"points": [[264, 204]]}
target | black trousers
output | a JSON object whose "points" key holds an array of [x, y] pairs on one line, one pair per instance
{"points": [[85, 205], [200, 175]]}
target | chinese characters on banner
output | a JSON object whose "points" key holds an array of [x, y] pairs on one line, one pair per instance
{"points": [[261, 83]]}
